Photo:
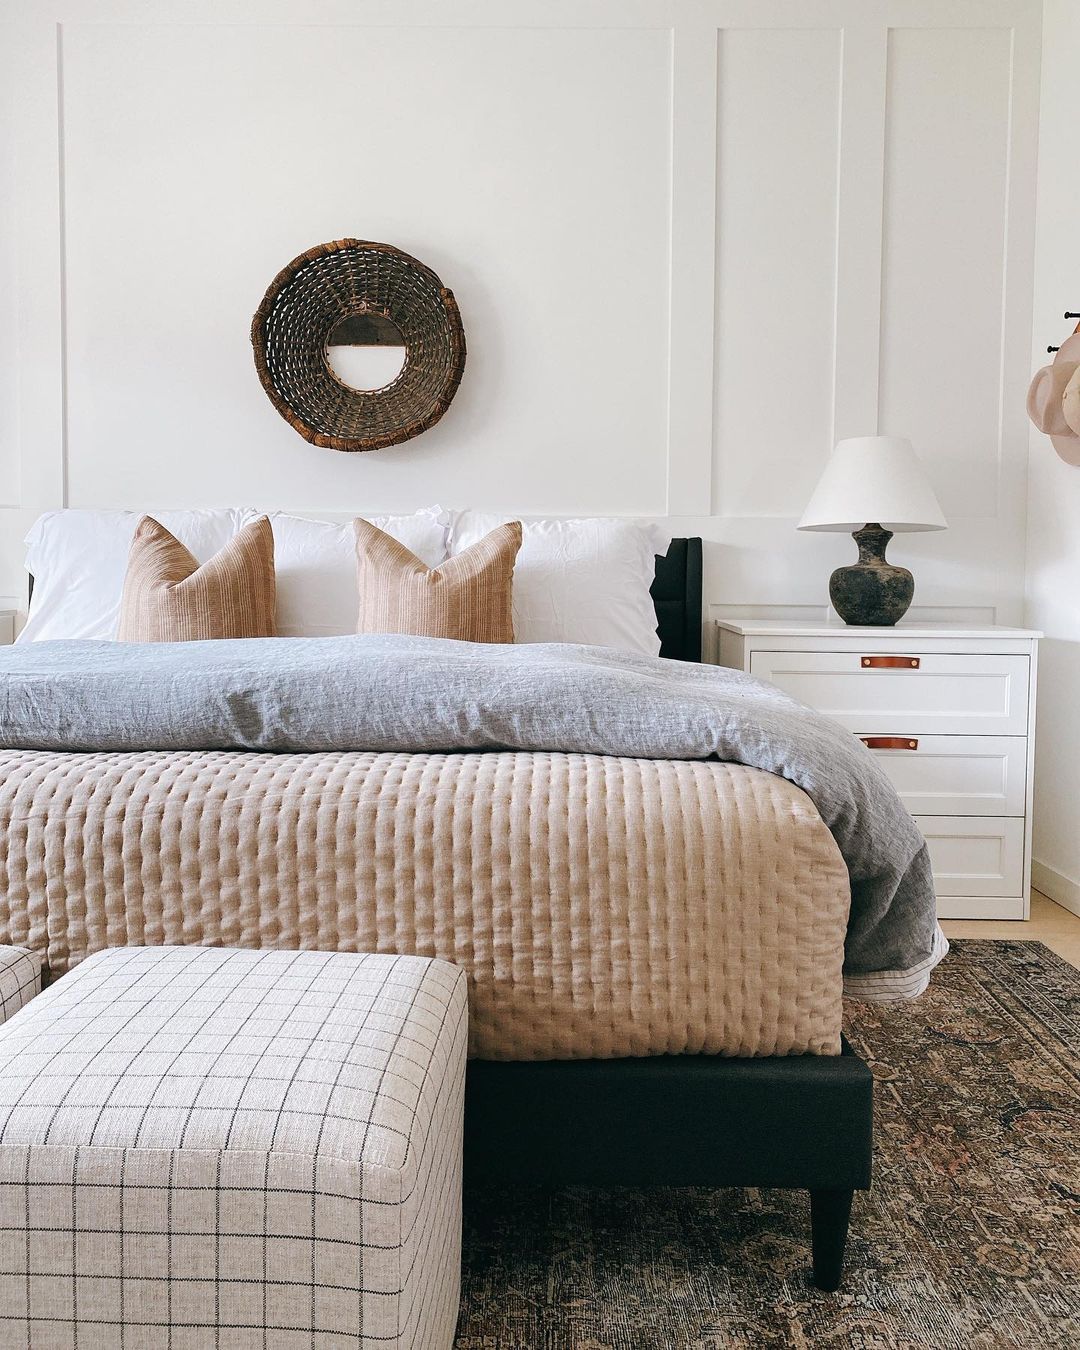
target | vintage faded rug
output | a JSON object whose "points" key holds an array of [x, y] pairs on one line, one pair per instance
{"points": [[969, 1240]]}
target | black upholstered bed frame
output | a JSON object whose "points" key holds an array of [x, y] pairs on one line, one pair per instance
{"points": [[801, 1122], [681, 1120], [676, 597]]}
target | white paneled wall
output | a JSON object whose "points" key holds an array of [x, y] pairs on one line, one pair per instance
{"points": [[411, 135], [778, 154], [1053, 569], [9, 424], [693, 241], [943, 258]]}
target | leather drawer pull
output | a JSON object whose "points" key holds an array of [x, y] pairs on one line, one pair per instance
{"points": [[890, 663], [889, 742]]}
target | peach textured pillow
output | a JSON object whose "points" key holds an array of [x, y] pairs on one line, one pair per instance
{"points": [[169, 597], [468, 597]]}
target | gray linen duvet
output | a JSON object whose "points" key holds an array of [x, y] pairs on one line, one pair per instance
{"points": [[417, 694]]}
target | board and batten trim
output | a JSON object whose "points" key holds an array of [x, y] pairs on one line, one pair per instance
{"points": [[692, 327], [859, 228], [39, 244]]}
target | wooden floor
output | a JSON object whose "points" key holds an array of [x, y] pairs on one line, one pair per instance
{"points": [[1049, 924]]}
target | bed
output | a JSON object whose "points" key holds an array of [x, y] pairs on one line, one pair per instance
{"points": [[655, 946]]}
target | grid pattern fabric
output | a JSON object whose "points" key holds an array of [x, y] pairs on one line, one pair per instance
{"points": [[205, 1147], [601, 906], [20, 979]]}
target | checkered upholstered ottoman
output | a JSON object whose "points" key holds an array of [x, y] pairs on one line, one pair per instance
{"points": [[20, 979], [205, 1147]]}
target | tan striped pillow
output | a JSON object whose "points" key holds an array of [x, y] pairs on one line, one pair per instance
{"points": [[168, 597], [468, 597]]}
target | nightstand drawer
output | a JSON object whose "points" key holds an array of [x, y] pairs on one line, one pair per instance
{"points": [[975, 855], [907, 694], [956, 775]]}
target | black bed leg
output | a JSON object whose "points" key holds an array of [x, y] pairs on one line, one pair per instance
{"points": [[829, 1214]]}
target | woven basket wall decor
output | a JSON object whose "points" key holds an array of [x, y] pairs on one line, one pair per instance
{"points": [[366, 290]]}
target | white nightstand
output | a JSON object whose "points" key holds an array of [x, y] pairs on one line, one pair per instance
{"points": [[950, 713], [7, 626]]}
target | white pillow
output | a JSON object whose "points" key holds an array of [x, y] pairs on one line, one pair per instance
{"points": [[315, 563], [78, 560], [577, 580]]}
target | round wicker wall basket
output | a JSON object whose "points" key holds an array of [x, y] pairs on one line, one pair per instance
{"points": [[357, 292]]}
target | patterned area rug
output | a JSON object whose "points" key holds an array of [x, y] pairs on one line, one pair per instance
{"points": [[970, 1238]]}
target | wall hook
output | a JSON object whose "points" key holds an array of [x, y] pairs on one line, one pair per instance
{"points": [[1069, 314]]}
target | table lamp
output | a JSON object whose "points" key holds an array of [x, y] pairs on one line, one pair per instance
{"points": [[872, 487]]}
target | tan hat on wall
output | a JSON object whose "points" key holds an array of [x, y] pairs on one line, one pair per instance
{"points": [[1070, 402], [1046, 400]]}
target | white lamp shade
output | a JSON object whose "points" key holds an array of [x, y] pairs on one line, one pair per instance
{"points": [[873, 479]]}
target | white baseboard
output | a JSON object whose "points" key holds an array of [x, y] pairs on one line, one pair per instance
{"points": [[981, 907], [1061, 889]]}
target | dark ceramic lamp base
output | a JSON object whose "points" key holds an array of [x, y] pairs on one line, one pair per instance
{"points": [[871, 593]]}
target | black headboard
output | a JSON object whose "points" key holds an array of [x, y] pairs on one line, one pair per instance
{"points": [[676, 594]]}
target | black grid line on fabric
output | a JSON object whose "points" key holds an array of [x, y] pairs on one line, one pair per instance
{"points": [[265, 1241], [123, 1167], [120, 1277], [180, 1189], [433, 1105], [26, 1217], [74, 1248], [203, 1326]]}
